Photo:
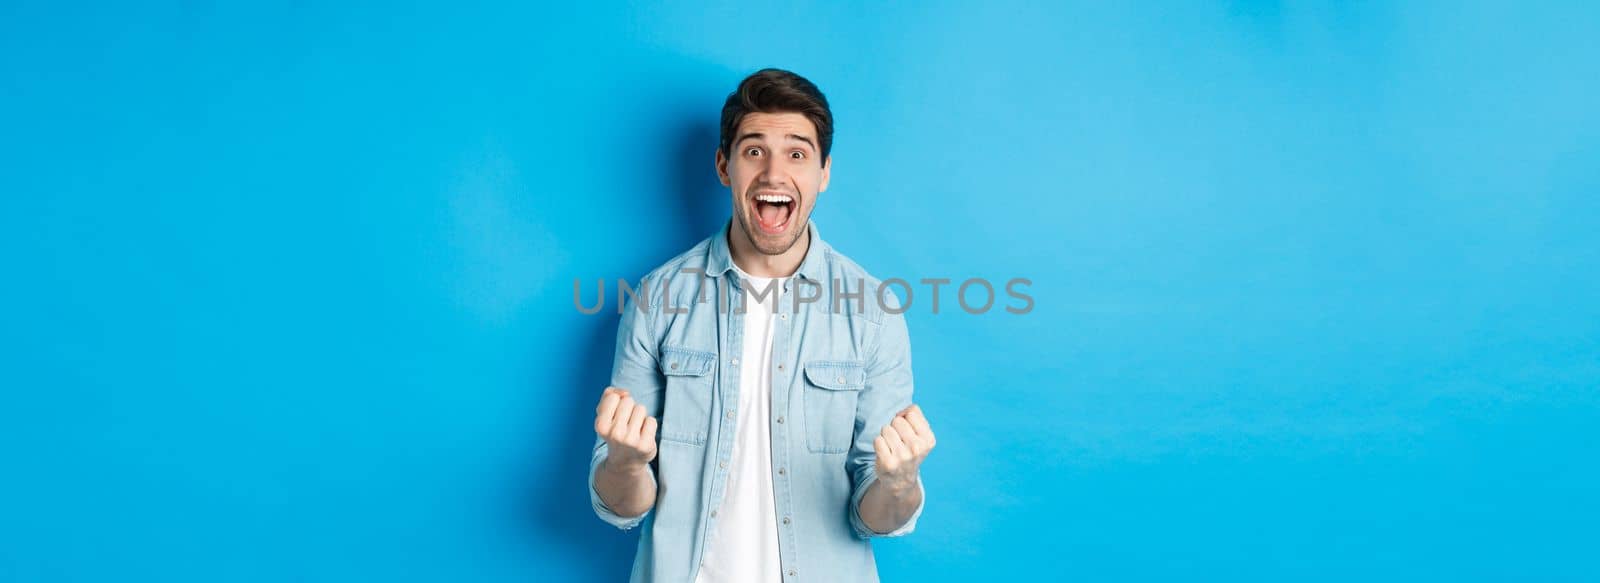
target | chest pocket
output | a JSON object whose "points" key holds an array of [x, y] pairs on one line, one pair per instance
{"points": [[686, 409], [832, 388]]}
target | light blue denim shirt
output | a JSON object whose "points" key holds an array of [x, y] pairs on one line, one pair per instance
{"points": [[841, 371]]}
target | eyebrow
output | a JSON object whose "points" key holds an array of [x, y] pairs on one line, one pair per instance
{"points": [[764, 136]]}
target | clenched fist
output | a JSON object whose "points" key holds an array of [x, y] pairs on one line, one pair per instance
{"points": [[629, 431], [901, 447]]}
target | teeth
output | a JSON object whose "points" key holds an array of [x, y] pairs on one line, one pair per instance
{"points": [[774, 198]]}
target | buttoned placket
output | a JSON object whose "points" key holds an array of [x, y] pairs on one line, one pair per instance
{"points": [[782, 338]]}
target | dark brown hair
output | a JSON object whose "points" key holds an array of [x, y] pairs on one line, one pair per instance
{"points": [[774, 91]]}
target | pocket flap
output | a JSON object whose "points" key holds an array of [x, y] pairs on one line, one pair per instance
{"points": [[837, 376], [684, 362]]}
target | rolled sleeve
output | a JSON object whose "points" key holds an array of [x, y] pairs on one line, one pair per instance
{"points": [[888, 392], [634, 369]]}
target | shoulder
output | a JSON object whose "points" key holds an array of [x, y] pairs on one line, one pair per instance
{"points": [[845, 277], [678, 277]]}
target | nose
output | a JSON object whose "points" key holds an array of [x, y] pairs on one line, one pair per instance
{"points": [[769, 176]]}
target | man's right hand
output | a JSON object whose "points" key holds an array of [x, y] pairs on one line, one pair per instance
{"points": [[629, 431]]}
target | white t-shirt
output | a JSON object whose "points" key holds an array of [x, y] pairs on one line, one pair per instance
{"points": [[742, 542]]}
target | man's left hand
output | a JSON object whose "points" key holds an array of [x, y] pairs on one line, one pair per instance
{"points": [[901, 447]]}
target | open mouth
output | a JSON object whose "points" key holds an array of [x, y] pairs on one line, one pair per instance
{"points": [[773, 211]]}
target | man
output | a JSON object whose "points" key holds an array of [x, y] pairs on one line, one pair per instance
{"points": [[759, 423]]}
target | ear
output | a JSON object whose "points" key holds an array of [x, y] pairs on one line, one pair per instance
{"points": [[722, 169], [827, 168]]}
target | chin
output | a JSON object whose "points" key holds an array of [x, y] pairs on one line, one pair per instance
{"points": [[778, 245]]}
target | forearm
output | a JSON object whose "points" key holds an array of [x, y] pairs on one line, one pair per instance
{"points": [[628, 490], [887, 505]]}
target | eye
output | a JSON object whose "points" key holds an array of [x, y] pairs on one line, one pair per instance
{"points": [[752, 151], [797, 155]]}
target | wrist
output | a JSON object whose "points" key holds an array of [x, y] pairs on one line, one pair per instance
{"points": [[899, 485], [623, 467]]}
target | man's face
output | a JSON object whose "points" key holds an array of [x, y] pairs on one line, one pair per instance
{"points": [[775, 176]]}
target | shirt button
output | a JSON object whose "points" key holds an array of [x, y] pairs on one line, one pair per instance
{"points": [[841, 379], [791, 572], [786, 520], [783, 316], [780, 419], [780, 471], [735, 362], [780, 367], [674, 365], [723, 465], [730, 413], [713, 515]]}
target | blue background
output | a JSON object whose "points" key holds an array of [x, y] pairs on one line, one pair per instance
{"points": [[288, 289]]}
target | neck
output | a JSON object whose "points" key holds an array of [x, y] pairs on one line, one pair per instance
{"points": [[754, 262]]}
